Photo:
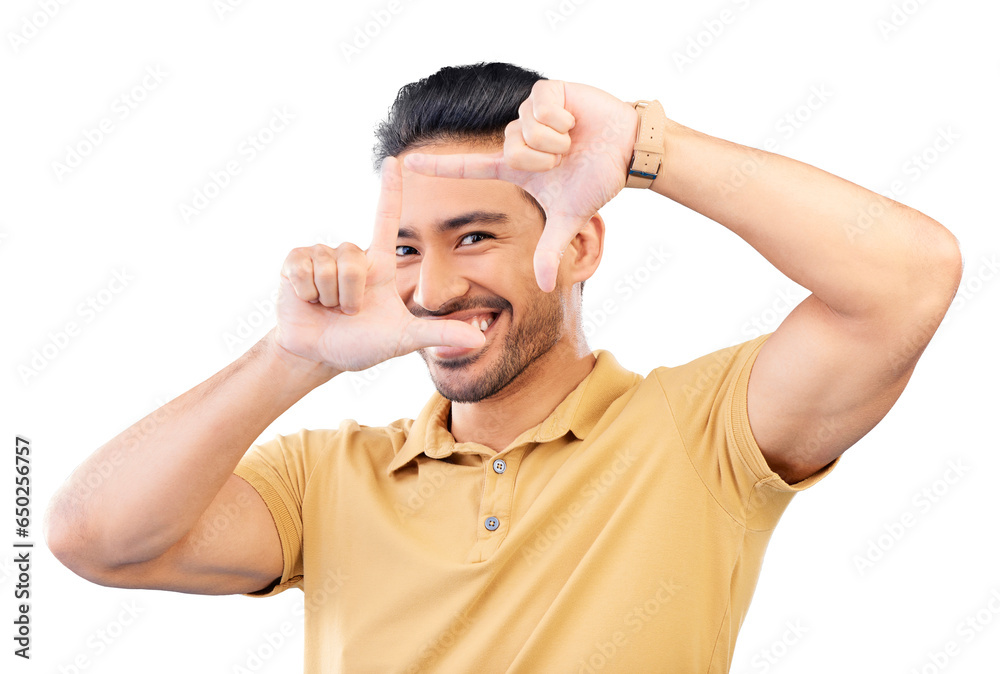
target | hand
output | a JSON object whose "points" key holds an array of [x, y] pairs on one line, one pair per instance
{"points": [[340, 307], [569, 148]]}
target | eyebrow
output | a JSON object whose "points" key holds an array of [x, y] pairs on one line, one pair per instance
{"points": [[459, 221]]}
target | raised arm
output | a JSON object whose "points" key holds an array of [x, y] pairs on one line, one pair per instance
{"points": [[144, 509], [882, 275]]}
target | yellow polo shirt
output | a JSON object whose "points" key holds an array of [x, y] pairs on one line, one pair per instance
{"points": [[624, 533]]}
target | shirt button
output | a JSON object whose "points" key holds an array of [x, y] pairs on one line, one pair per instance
{"points": [[499, 466], [492, 523]]}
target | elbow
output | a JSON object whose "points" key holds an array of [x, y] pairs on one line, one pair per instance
{"points": [[950, 266], [56, 530], [67, 539], [922, 296], [935, 279], [63, 536], [87, 545]]}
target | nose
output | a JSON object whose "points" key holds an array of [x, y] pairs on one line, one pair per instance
{"points": [[438, 282]]}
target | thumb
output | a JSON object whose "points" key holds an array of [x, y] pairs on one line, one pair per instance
{"points": [[421, 333], [556, 235]]}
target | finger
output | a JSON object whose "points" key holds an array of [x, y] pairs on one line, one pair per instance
{"points": [[352, 268], [298, 269], [389, 209], [537, 135], [473, 165], [517, 155], [324, 265], [548, 105], [555, 237], [421, 333]]}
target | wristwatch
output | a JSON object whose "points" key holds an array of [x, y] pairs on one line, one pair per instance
{"points": [[647, 155]]}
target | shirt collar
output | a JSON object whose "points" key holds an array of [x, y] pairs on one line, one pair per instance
{"points": [[578, 413]]}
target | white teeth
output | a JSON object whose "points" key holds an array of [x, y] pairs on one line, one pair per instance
{"points": [[482, 323]]}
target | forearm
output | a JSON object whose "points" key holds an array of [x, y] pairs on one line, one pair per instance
{"points": [[145, 489], [860, 253]]}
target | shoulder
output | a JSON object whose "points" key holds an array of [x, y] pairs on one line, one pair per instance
{"points": [[309, 449], [709, 376]]}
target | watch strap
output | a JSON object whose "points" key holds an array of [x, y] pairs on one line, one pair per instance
{"points": [[647, 154]]}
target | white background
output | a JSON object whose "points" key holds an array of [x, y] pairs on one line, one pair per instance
{"points": [[193, 284]]}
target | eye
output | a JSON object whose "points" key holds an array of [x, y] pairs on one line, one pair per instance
{"points": [[403, 251], [475, 237]]}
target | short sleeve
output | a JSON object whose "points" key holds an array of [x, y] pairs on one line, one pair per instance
{"points": [[277, 470], [708, 401]]}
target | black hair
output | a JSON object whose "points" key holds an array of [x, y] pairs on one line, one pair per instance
{"points": [[457, 104]]}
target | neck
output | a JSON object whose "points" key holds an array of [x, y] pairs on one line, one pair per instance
{"points": [[526, 401]]}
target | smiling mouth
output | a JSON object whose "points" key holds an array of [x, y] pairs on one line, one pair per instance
{"points": [[483, 320], [455, 357]]}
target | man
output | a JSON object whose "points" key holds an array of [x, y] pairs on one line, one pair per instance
{"points": [[547, 510]]}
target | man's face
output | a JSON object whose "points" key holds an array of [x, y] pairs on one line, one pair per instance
{"points": [[464, 252]]}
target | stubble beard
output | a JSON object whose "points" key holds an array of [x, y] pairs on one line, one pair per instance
{"points": [[526, 340]]}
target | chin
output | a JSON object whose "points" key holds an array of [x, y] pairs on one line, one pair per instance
{"points": [[464, 380], [469, 376]]}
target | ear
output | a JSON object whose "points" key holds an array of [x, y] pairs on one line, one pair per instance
{"points": [[583, 254]]}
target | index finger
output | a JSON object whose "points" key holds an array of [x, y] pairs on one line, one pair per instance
{"points": [[556, 236], [389, 209], [548, 105], [473, 165]]}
